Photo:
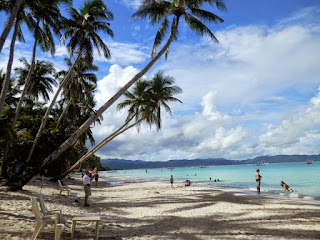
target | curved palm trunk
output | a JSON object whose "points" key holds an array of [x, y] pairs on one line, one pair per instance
{"points": [[8, 26], [25, 178], [46, 116], [6, 81], [97, 147]]}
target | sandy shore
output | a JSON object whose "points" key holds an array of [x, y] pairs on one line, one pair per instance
{"points": [[157, 211]]}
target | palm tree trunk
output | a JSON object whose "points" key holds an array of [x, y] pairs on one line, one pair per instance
{"points": [[73, 138], [46, 116], [97, 147], [26, 83], [63, 113], [6, 81], [4, 167], [9, 25]]}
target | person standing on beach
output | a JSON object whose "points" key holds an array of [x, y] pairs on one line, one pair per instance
{"points": [[96, 178], [87, 187], [258, 179], [171, 180]]}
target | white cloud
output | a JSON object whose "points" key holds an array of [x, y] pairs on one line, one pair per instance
{"points": [[223, 139], [124, 53], [111, 83], [132, 3], [295, 128]]}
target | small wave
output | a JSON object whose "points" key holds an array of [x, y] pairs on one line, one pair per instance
{"points": [[294, 195], [309, 198]]}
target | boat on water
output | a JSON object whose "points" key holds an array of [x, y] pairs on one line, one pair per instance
{"points": [[262, 164], [308, 162]]}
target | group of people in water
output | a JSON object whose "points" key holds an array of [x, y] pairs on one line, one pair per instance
{"points": [[258, 180], [257, 177]]}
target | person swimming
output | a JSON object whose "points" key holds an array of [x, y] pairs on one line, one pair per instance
{"points": [[285, 186]]}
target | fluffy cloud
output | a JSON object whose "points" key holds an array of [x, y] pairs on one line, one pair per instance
{"points": [[296, 128], [124, 53], [132, 3]]}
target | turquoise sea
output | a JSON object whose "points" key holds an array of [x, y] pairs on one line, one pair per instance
{"points": [[303, 178]]}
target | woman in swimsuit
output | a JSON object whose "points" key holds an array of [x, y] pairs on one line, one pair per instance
{"points": [[285, 186], [258, 179]]}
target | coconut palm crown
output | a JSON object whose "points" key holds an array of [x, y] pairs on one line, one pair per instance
{"points": [[83, 26], [168, 14]]}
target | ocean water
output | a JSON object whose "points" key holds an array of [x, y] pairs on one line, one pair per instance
{"points": [[303, 178]]}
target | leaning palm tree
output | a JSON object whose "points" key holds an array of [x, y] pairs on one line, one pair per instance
{"points": [[144, 104], [157, 11], [82, 29]]}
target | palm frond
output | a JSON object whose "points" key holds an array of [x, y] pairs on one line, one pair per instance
{"points": [[160, 35], [198, 27]]}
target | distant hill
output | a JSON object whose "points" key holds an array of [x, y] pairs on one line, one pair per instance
{"points": [[138, 164]]}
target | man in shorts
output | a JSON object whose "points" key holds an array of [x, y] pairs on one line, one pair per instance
{"points": [[87, 187]]}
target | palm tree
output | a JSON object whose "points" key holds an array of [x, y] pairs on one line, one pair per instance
{"points": [[42, 81], [82, 29], [9, 24], [144, 104], [47, 13], [157, 11], [163, 91], [20, 17]]}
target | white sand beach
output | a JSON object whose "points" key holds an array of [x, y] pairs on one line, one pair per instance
{"points": [[156, 211]]}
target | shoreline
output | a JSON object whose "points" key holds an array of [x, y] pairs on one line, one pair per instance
{"points": [[156, 211], [269, 192]]}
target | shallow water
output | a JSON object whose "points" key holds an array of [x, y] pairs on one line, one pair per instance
{"points": [[303, 178]]}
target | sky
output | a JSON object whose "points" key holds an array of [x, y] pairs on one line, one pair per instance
{"points": [[256, 92]]}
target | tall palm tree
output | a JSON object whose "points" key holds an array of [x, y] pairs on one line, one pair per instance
{"points": [[157, 11], [14, 11], [47, 14], [82, 29], [20, 17], [144, 104]]}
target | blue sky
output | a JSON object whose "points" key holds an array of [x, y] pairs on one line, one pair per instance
{"points": [[255, 93]]}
